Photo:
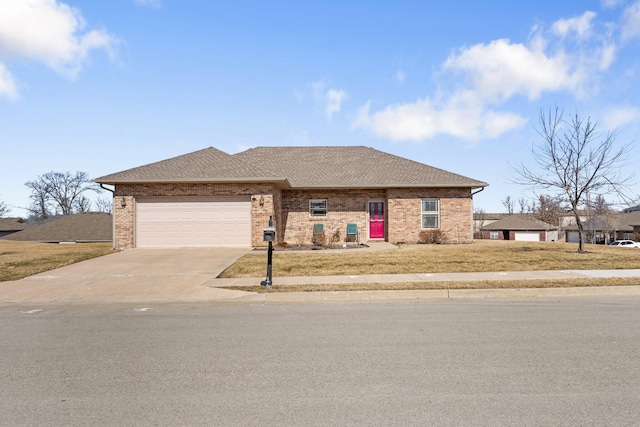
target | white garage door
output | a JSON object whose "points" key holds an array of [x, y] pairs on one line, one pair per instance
{"points": [[527, 237], [193, 222], [573, 237]]}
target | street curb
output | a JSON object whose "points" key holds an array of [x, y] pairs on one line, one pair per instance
{"points": [[412, 295]]}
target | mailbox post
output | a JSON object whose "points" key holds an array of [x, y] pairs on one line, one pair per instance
{"points": [[269, 235]]}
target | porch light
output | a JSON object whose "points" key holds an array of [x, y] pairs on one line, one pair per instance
{"points": [[123, 202], [261, 201]]}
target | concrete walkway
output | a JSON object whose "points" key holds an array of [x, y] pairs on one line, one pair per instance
{"points": [[188, 275]]}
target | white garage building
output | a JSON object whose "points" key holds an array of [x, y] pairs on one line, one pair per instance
{"points": [[520, 227]]}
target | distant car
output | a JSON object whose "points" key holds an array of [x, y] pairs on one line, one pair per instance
{"points": [[625, 244]]}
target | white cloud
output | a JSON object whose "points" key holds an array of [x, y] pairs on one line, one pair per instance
{"points": [[580, 25], [50, 32], [620, 116], [631, 22], [474, 82], [420, 120], [400, 76], [607, 55], [501, 69], [334, 99], [7, 83], [149, 3], [329, 99], [610, 4], [490, 74]]}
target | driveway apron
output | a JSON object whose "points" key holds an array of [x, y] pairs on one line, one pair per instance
{"points": [[150, 275]]}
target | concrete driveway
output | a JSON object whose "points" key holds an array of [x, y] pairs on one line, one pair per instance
{"points": [[137, 275]]}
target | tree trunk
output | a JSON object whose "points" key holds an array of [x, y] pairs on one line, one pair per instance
{"points": [[580, 234]]}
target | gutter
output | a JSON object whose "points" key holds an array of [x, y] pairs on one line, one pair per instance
{"points": [[472, 194], [108, 189]]}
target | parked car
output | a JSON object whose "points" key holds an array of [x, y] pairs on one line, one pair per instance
{"points": [[625, 244]]}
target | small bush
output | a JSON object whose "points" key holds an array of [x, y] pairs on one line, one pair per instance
{"points": [[431, 236], [333, 239]]}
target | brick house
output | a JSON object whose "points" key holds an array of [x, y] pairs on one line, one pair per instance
{"points": [[211, 198], [519, 227]]}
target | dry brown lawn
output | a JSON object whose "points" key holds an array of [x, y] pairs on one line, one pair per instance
{"points": [[22, 259], [480, 256]]}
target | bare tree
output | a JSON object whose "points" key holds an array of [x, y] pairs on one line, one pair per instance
{"points": [[60, 193], [527, 206], [39, 208], [4, 209], [508, 203], [573, 161], [81, 204], [479, 220], [104, 205], [549, 209]]}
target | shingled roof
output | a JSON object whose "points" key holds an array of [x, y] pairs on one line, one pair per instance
{"points": [[12, 224], [207, 165], [296, 167], [83, 227], [518, 222]]}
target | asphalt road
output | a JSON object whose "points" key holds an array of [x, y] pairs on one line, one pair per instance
{"points": [[473, 362]]}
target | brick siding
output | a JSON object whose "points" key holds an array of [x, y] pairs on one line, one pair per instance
{"points": [[343, 207], [290, 210], [405, 213], [124, 219]]}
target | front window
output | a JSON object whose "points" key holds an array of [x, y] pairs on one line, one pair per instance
{"points": [[494, 235], [430, 213], [318, 208]]}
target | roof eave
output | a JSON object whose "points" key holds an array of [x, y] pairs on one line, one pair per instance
{"points": [[381, 186], [282, 181]]}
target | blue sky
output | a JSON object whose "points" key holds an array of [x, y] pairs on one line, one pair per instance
{"points": [[104, 86]]}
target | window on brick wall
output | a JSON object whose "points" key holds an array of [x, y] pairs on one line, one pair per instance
{"points": [[430, 213], [318, 208], [494, 235]]}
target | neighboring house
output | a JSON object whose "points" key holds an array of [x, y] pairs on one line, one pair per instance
{"points": [[210, 198], [568, 219], [605, 228], [78, 228], [483, 219], [11, 225], [520, 227], [632, 209]]}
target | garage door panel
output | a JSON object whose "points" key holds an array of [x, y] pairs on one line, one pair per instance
{"points": [[527, 236], [193, 223]]}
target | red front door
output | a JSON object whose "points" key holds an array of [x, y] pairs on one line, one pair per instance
{"points": [[376, 220]]}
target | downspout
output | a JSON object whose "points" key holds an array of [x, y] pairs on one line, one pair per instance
{"points": [[472, 220], [113, 217], [108, 189]]}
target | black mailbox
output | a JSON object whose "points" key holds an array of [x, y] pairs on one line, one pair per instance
{"points": [[269, 234]]}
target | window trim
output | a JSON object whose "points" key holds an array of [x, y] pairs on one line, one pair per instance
{"points": [[312, 209], [434, 214]]}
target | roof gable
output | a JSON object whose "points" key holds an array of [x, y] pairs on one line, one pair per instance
{"points": [[296, 167], [207, 165]]}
